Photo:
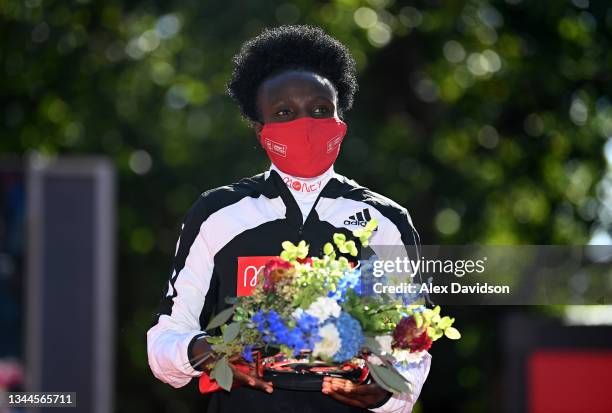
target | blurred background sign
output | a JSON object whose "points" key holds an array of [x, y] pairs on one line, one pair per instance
{"points": [[12, 244], [69, 304], [552, 367]]}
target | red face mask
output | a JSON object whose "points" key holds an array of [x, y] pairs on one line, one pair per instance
{"points": [[304, 147]]}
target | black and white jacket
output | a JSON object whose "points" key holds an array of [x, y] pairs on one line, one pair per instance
{"points": [[223, 241]]}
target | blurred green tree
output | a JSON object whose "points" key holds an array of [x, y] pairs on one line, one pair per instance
{"points": [[486, 119]]}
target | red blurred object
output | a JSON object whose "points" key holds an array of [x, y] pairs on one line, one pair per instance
{"points": [[408, 336], [274, 271], [208, 385], [570, 381], [11, 374], [247, 273]]}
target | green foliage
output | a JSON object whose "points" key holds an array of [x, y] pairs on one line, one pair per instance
{"points": [[374, 316], [344, 246], [388, 378], [365, 233], [485, 119], [322, 275], [436, 325], [221, 318], [231, 331], [223, 374], [452, 333], [292, 252]]}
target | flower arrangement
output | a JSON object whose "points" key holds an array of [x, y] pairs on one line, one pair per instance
{"points": [[314, 306]]}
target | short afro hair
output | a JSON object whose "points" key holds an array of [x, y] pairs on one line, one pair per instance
{"points": [[302, 47]]}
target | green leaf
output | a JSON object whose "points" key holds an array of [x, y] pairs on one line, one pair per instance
{"points": [[372, 344], [302, 250], [445, 322], [358, 232], [392, 371], [231, 332], [371, 225], [352, 248], [452, 333], [389, 379], [221, 318], [339, 238], [223, 374], [378, 379], [328, 249], [364, 234], [418, 319]]}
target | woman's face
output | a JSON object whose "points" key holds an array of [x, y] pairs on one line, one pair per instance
{"points": [[295, 94]]}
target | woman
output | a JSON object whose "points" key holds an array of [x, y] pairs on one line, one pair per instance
{"points": [[293, 84]]}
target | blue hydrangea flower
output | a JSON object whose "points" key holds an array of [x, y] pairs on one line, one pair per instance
{"points": [[247, 353], [308, 326], [275, 331], [258, 319], [351, 337], [350, 280], [367, 278], [271, 326], [307, 323]]}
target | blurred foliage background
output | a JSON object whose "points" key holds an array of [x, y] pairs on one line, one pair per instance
{"points": [[491, 121]]}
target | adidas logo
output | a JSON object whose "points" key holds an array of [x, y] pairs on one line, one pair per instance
{"points": [[360, 218]]}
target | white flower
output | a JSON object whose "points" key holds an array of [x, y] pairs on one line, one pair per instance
{"points": [[385, 343], [297, 313], [329, 343], [407, 357], [323, 308]]}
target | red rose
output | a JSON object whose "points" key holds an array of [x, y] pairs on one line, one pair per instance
{"points": [[407, 336], [420, 343], [274, 271]]}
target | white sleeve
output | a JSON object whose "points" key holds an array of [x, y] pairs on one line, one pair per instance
{"points": [[394, 241], [168, 341], [416, 375]]}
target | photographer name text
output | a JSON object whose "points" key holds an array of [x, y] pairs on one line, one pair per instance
{"points": [[429, 288]]}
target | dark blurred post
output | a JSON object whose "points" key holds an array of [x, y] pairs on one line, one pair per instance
{"points": [[70, 279]]}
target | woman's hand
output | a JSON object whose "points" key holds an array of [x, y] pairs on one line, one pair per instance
{"points": [[202, 350], [250, 377], [358, 395]]}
